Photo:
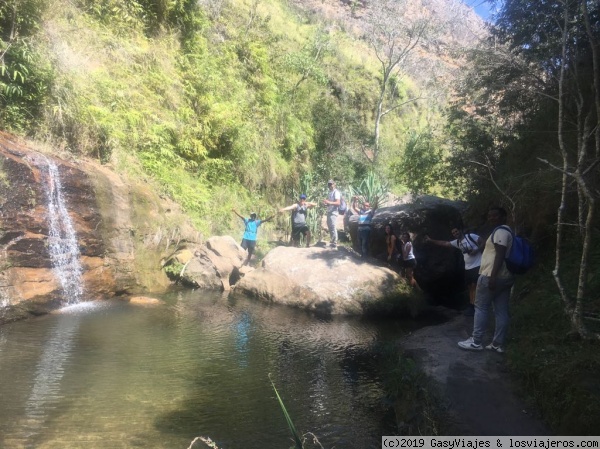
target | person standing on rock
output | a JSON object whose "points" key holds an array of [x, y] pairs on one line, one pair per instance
{"points": [[299, 226], [365, 216], [250, 232], [391, 252], [471, 247], [493, 286], [332, 202], [409, 261]]}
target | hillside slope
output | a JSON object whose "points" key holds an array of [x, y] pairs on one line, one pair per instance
{"points": [[220, 104]]}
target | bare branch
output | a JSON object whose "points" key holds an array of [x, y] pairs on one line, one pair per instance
{"points": [[393, 108], [562, 170]]}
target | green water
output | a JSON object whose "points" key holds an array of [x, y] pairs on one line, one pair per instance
{"points": [[114, 375]]}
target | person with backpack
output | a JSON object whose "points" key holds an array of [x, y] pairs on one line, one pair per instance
{"points": [[494, 285], [471, 247], [333, 202], [299, 226], [250, 231]]}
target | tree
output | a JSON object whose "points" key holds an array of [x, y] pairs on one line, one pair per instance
{"points": [[578, 163], [393, 37], [534, 97]]}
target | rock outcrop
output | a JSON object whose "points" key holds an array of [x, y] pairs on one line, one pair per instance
{"points": [[213, 265], [123, 230], [439, 271], [324, 281]]}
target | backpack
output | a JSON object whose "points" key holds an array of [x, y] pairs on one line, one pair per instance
{"points": [[343, 207], [468, 237], [521, 255]]}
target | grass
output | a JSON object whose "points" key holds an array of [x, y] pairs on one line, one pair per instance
{"points": [[288, 419], [559, 374], [418, 405]]}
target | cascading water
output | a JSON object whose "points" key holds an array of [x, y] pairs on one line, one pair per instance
{"points": [[62, 240]]}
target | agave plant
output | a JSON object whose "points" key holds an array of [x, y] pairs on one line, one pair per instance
{"points": [[372, 189]]}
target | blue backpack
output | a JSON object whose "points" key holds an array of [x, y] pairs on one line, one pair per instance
{"points": [[521, 256]]}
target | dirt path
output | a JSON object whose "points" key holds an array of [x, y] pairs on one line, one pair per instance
{"points": [[481, 399]]}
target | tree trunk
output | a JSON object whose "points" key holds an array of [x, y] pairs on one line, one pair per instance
{"points": [[565, 167]]}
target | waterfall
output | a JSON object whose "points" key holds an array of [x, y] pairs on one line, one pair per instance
{"points": [[62, 240]]}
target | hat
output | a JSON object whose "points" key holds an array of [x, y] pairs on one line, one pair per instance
{"points": [[331, 181], [253, 214], [303, 196]]}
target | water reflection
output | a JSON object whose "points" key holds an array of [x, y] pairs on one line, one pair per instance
{"points": [[49, 372], [124, 376], [241, 330]]}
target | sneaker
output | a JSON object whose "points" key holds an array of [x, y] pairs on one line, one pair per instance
{"points": [[333, 245], [470, 345], [493, 347]]}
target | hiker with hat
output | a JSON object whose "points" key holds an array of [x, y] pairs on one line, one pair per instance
{"points": [[299, 226], [333, 201], [251, 230]]}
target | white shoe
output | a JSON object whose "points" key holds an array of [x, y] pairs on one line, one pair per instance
{"points": [[470, 345], [493, 347]]}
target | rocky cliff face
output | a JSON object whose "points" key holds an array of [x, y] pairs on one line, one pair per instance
{"points": [[123, 230]]}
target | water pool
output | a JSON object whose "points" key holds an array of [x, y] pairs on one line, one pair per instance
{"points": [[113, 375]]}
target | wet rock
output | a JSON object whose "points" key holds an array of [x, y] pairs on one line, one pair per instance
{"points": [[144, 301], [123, 231]]}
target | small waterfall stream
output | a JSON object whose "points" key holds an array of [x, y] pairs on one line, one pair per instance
{"points": [[62, 240]]}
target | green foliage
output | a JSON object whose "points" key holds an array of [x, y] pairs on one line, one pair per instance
{"points": [[25, 77], [208, 100], [505, 117], [554, 368], [127, 17], [419, 166], [173, 270], [372, 189], [20, 19], [506, 121]]}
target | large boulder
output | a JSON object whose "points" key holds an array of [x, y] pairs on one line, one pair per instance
{"points": [[214, 265], [322, 280], [439, 271]]}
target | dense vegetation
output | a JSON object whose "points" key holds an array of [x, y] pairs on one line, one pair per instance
{"points": [[221, 104], [233, 104], [527, 126]]}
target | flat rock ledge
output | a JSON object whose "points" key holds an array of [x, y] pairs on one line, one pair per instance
{"points": [[323, 280]]}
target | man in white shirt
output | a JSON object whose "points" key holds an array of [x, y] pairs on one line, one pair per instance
{"points": [[494, 285], [332, 202], [471, 247]]}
